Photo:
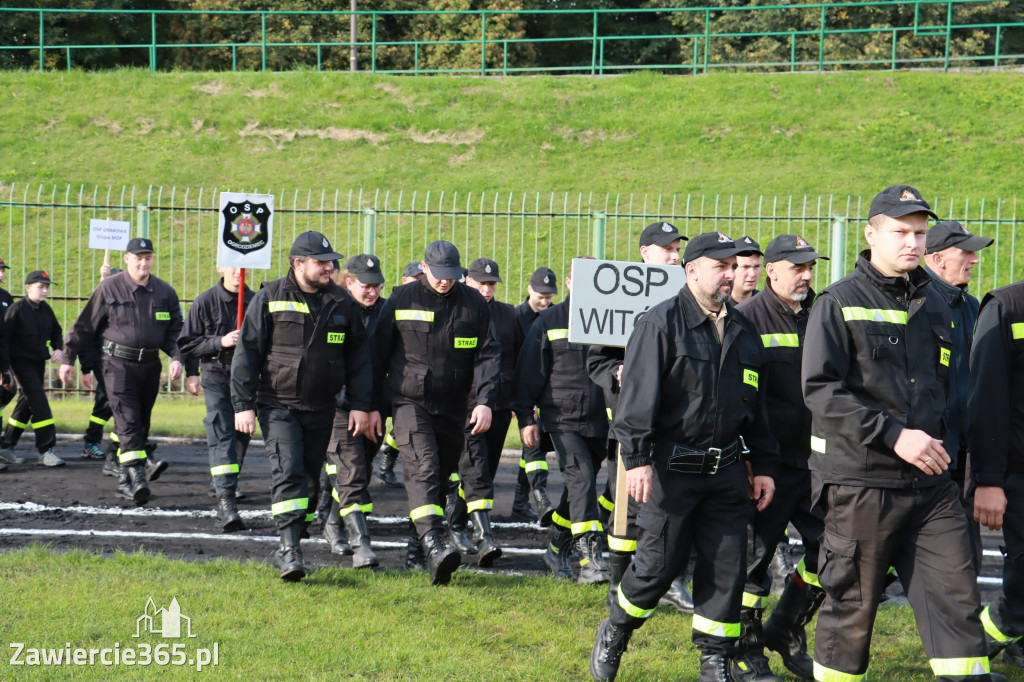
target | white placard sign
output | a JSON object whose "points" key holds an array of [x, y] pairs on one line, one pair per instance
{"points": [[245, 229], [608, 296], [109, 234]]}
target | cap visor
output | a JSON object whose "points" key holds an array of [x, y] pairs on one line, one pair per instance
{"points": [[975, 243], [900, 211], [804, 257], [487, 279], [750, 252], [722, 254], [544, 289], [370, 278], [666, 239], [440, 272]]}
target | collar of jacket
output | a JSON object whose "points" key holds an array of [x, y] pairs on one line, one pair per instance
{"points": [[376, 304], [953, 294], [897, 287], [693, 314], [228, 297], [437, 294], [773, 298], [332, 291]]}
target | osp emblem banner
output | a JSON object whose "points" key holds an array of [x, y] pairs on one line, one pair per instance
{"points": [[246, 228]]}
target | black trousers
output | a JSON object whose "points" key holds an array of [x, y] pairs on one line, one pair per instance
{"points": [[352, 457], [227, 447], [625, 541], [296, 443], [923, 534], [32, 407], [479, 461], [132, 388], [534, 460], [101, 412], [705, 513], [430, 446], [1006, 616], [792, 503], [579, 459]]}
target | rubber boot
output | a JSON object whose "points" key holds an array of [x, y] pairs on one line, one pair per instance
{"points": [[678, 596], [618, 562], [590, 547], [289, 556], [714, 668], [132, 483], [334, 532], [385, 472], [521, 509], [487, 549], [542, 503], [458, 517], [557, 554], [325, 501], [609, 646], [784, 630], [442, 560], [363, 555], [227, 513], [750, 664]]}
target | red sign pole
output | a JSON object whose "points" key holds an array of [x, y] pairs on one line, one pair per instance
{"points": [[241, 296]]}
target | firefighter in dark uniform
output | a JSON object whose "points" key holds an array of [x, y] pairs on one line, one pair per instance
{"points": [[532, 482], [301, 342], [690, 391], [748, 270], [660, 244], [996, 443], [875, 371], [137, 315], [207, 342], [435, 341], [33, 336], [7, 391], [551, 374], [352, 456], [779, 314], [89, 361]]}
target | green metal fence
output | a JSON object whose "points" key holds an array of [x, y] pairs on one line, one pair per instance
{"points": [[811, 36]]}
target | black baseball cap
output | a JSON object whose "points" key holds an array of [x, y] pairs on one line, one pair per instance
{"points": [[484, 270], [443, 259], [790, 247], [660, 234], [951, 233], [3, 264], [544, 281], [115, 271], [412, 270], [749, 246], [140, 245], [366, 268], [710, 245], [899, 200], [314, 245], [38, 276]]}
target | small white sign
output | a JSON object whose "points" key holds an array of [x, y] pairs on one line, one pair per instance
{"points": [[245, 228], [608, 297], [109, 234]]}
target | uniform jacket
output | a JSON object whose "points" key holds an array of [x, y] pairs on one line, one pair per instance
{"points": [[782, 335], [369, 317], [681, 385], [510, 337], [214, 314], [438, 349], [5, 302], [876, 361], [29, 327], [603, 364], [298, 351], [526, 316], [551, 374]]}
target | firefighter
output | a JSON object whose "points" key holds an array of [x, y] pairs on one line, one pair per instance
{"points": [[89, 361], [551, 374], [6, 376], [748, 269], [690, 391], [207, 342], [875, 371], [779, 314], [136, 315], [435, 341], [301, 342]]}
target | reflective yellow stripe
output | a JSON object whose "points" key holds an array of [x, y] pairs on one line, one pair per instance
{"points": [[365, 508], [113, 437], [751, 601], [874, 315], [45, 422], [608, 411], [285, 506], [818, 444], [426, 510], [780, 340], [414, 315], [750, 377], [960, 666], [163, 317], [479, 505], [559, 520], [389, 440], [713, 627], [944, 356], [634, 611], [287, 307], [556, 334], [331, 469], [539, 465], [465, 341], [462, 493], [96, 420], [224, 469], [586, 527], [454, 478], [17, 424], [335, 337], [993, 631], [131, 456], [1017, 329], [606, 503], [805, 575], [823, 674], [310, 517], [621, 544]]}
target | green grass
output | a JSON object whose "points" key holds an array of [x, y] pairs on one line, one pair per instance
{"points": [[339, 623]]}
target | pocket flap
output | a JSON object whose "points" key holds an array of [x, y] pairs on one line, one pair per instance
{"points": [[839, 544]]}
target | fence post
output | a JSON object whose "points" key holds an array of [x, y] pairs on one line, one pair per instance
{"points": [[142, 221], [42, 41], [837, 266], [369, 229], [597, 235]]}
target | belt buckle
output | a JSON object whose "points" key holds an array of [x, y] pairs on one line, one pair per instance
{"points": [[718, 459], [139, 358]]}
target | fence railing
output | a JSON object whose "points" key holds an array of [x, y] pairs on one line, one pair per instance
{"points": [[811, 36]]}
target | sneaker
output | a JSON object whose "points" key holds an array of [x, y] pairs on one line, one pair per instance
{"points": [[92, 451], [9, 457], [48, 459]]}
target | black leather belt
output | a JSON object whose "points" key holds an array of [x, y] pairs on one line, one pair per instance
{"points": [[689, 461], [116, 350], [223, 356]]}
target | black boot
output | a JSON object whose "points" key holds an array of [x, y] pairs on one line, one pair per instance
{"points": [[458, 517], [521, 509], [289, 556], [611, 643], [782, 566], [385, 472], [363, 555], [110, 466], [1014, 654], [227, 513], [487, 549], [678, 596], [618, 562], [590, 547], [442, 560], [557, 554], [325, 501], [414, 557], [750, 664], [334, 533], [714, 668], [784, 630], [542, 503], [153, 468], [131, 483]]}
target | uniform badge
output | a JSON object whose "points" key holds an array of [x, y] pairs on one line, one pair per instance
{"points": [[487, 268], [908, 196], [245, 226], [665, 227], [723, 239], [801, 244], [547, 280], [964, 229], [369, 262]]}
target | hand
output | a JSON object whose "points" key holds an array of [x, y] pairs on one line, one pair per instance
{"points": [[192, 385], [374, 427], [618, 375], [921, 450], [530, 435], [639, 482], [245, 422], [989, 506], [67, 373], [57, 356], [7, 380], [176, 369], [104, 271], [481, 419], [230, 340], [89, 381], [358, 422], [764, 491]]}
